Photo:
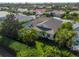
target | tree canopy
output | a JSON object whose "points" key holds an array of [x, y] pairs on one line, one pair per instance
{"points": [[10, 26], [64, 36]]}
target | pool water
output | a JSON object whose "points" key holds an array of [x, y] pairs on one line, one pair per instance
{"points": [[76, 39]]}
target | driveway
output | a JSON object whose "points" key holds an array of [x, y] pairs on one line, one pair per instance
{"points": [[4, 53]]}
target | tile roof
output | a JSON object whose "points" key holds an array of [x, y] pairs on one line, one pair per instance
{"points": [[76, 25], [22, 17], [51, 24], [3, 13], [39, 20]]}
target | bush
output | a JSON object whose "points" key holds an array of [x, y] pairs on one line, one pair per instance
{"points": [[65, 35], [39, 50], [29, 52], [67, 25], [51, 51], [28, 35], [12, 45], [17, 46]]}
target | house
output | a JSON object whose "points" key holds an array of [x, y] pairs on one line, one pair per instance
{"points": [[26, 19], [3, 15], [75, 25], [4, 8], [49, 7], [22, 10], [76, 11], [32, 17], [39, 11], [51, 26], [22, 17], [58, 13], [47, 24], [39, 20], [75, 46], [63, 20]]}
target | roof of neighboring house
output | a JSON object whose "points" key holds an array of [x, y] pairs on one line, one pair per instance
{"points": [[3, 13], [58, 11], [32, 16], [22, 10], [22, 17], [76, 25], [75, 12], [63, 20]]}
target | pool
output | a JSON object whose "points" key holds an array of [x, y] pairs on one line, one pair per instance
{"points": [[76, 40]]}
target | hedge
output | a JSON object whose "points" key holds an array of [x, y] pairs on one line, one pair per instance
{"points": [[17, 47], [21, 50], [40, 49]]}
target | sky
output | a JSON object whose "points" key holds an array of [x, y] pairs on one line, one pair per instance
{"points": [[36, 1]]}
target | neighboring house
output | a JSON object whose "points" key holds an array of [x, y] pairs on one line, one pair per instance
{"points": [[22, 10], [76, 11], [49, 7], [4, 8], [75, 46], [3, 15], [22, 17], [26, 19], [32, 17], [58, 13], [63, 20], [75, 25], [39, 11]]}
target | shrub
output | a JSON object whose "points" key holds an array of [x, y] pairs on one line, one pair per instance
{"points": [[12, 44], [39, 50], [67, 25], [64, 37], [17, 46], [28, 35], [29, 52], [51, 51]]}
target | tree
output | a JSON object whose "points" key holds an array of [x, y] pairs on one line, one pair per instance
{"points": [[67, 25], [48, 14], [28, 35], [65, 35], [10, 27]]}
